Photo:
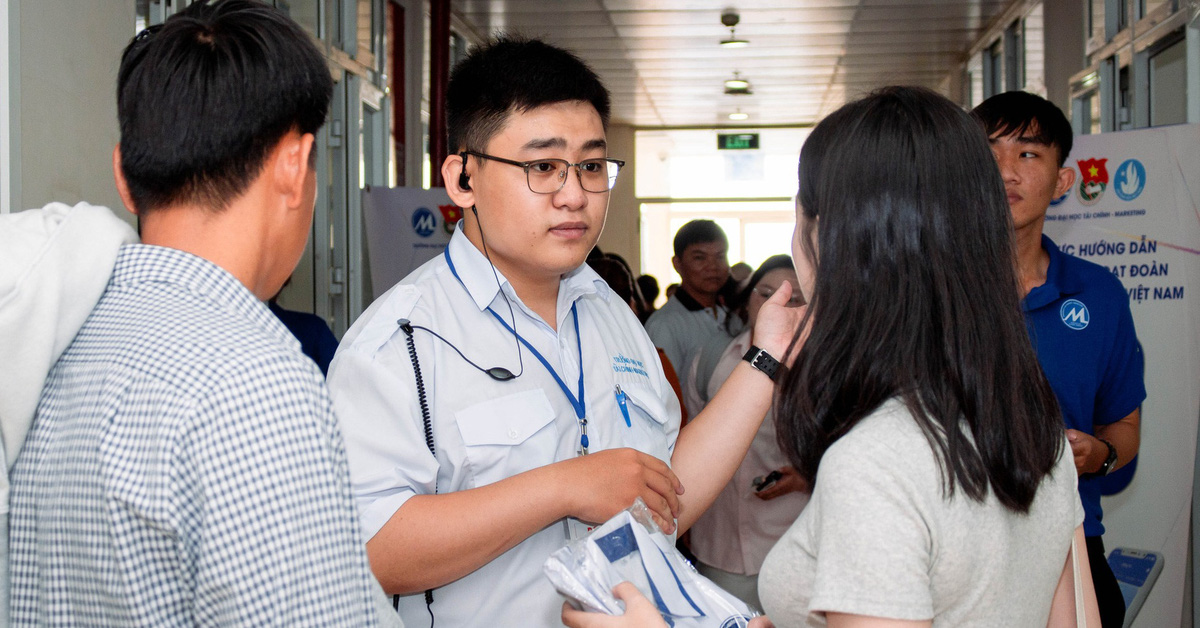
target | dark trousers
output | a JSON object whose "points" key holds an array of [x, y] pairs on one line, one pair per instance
{"points": [[1108, 592]]}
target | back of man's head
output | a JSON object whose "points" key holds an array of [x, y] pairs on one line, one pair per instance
{"points": [[1026, 115], [699, 231], [513, 74], [203, 98]]}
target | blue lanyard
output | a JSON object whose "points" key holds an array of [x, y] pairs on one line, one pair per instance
{"points": [[578, 402]]}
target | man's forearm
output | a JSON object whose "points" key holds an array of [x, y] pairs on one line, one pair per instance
{"points": [[1125, 436], [714, 443], [435, 539]]}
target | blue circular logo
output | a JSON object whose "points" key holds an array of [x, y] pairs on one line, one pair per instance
{"points": [[1130, 179], [424, 222], [1074, 314], [736, 621]]}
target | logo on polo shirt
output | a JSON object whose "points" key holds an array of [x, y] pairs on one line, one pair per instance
{"points": [[1074, 314], [736, 621], [424, 222]]}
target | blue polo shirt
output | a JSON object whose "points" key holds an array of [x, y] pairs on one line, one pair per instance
{"points": [[1083, 332]]}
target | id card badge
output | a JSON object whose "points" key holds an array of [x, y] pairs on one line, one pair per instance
{"points": [[577, 529]]}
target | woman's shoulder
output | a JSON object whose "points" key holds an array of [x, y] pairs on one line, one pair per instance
{"points": [[886, 439]]}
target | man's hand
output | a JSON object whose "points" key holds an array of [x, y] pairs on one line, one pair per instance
{"points": [[1088, 451], [602, 484], [639, 612], [777, 324], [790, 482]]}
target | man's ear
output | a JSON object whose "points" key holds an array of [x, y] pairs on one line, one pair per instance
{"points": [[452, 170], [122, 184], [675, 263], [290, 165], [1066, 178]]}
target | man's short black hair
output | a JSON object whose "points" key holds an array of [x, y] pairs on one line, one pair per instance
{"points": [[203, 98], [1018, 113], [699, 231], [514, 74]]}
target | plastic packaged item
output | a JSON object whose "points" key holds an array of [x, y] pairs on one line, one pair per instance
{"points": [[631, 547]]}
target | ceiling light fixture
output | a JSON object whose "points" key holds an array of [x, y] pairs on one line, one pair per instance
{"points": [[730, 18], [737, 84], [739, 116]]}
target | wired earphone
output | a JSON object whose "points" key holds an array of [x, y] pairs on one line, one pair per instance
{"points": [[498, 373]]}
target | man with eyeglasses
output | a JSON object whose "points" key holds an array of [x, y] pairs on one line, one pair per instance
{"points": [[501, 399]]}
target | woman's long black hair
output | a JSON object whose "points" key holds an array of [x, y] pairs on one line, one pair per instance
{"points": [[737, 305], [916, 298]]}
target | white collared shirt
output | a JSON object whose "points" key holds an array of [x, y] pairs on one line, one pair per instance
{"points": [[485, 430]]}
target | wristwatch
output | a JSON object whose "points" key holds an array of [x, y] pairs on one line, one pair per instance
{"points": [[1110, 461], [763, 361]]}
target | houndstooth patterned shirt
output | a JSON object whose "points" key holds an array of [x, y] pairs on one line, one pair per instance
{"points": [[185, 468]]}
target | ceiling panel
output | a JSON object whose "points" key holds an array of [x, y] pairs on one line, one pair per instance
{"points": [[663, 64]]}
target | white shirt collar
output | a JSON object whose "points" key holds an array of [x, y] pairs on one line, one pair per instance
{"points": [[475, 273]]}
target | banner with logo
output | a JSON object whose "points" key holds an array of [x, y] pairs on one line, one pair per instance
{"points": [[1133, 210], [405, 227]]}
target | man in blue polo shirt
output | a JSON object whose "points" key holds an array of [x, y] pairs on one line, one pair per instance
{"points": [[1077, 312]]}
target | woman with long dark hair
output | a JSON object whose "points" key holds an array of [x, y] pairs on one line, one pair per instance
{"points": [[943, 487]]}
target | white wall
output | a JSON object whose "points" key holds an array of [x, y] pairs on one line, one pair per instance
{"points": [[63, 106]]}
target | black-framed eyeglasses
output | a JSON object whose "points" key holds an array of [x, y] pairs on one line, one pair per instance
{"points": [[547, 176]]}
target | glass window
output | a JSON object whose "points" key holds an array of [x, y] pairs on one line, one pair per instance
{"points": [[975, 80], [1148, 6], [1096, 19], [993, 75], [365, 25], [1014, 56], [1035, 52], [1168, 80], [307, 13]]}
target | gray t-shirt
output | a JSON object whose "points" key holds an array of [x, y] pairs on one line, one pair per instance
{"points": [[878, 538]]}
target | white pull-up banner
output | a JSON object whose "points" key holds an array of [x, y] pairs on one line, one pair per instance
{"points": [[405, 228], [1134, 210]]}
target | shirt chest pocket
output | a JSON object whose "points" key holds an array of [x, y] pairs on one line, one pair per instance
{"points": [[509, 435], [649, 429]]}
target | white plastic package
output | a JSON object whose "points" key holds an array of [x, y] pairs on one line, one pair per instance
{"points": [[631, 547]]}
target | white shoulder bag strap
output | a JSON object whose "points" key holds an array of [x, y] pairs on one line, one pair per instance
{"points": [[1080, 611]]}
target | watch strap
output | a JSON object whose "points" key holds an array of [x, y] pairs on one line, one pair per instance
{"points": [[1110, 461], [763, 361]]}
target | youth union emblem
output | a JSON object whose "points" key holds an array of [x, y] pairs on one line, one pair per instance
{"points": [[1093, 179]]}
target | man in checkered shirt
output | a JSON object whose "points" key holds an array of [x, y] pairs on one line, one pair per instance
{"points": [[184, 466]]}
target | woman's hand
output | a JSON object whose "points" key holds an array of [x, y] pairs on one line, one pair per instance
{"points": [[639, 612], [789, 482], [777, 324]]}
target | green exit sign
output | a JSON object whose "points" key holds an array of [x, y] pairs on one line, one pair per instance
{"points": [[737, 141]]}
